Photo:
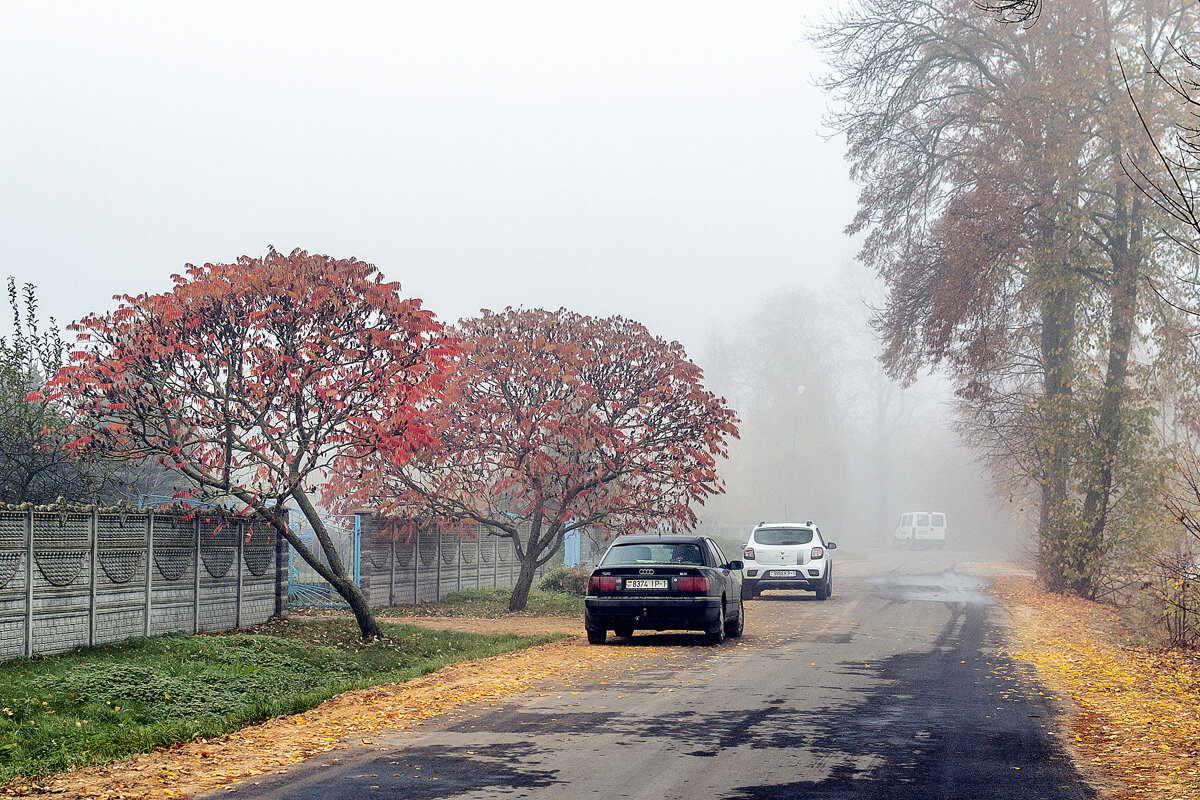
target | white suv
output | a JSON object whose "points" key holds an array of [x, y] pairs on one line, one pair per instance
{"points": [[787, 555]]}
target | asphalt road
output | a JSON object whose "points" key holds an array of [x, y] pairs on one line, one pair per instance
{"points": [[894, 688]]}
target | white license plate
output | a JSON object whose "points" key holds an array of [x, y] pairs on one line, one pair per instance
{"points": [[645, 583], [784, 573]]}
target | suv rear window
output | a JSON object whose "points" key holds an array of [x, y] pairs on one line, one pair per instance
{"points": [[775, 537], [622, 554]]}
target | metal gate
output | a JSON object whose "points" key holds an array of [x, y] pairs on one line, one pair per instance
{"points": [[305, 586]]}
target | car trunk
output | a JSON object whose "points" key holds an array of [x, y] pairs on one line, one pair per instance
{"points": [[655, 580], [780, 556]]}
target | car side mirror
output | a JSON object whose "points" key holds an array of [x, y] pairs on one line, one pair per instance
{"points": [[831, 545], [737, 565]]}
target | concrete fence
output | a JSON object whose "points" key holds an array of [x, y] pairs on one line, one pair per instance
{"points": [[405, 563], [77, 577]]}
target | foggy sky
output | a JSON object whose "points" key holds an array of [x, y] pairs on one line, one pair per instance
{"points": [[655, 160]]}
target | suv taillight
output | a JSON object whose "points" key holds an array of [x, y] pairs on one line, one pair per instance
{"points": [[748, 553], [817, 552], [598, 583], [690, 583]]}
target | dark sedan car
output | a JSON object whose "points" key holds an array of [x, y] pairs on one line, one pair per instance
{"points": [[664, 582]]}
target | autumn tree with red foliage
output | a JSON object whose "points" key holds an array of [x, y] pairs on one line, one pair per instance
{"points": [[250, 379], [554, 421]]}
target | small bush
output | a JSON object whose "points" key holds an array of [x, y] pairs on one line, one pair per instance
{"points": [[567, 580]]}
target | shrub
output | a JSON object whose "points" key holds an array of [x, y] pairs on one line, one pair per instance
{"points": [[567, 580]]}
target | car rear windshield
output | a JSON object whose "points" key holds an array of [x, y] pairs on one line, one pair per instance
{"points": [[783, 536], [623, 554]]}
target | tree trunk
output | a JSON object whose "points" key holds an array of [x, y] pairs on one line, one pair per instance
{"points": [[1088, 555], [334, 571], [368, 626], [1057, 347], [529, 559], [520, 593]]}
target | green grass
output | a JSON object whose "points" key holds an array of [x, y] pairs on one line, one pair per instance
{"points": [[492, 603], [101, 704]]}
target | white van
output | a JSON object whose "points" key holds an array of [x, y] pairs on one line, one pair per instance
{"points": [[921, 529]]}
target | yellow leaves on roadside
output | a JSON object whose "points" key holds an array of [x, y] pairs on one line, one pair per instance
{"points": [[1139, 719]]}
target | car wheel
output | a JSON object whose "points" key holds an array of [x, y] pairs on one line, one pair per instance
{"points": [[735, 628], [826, 588], [596, 635], [623, 632], [749, 589], [716, 634]]}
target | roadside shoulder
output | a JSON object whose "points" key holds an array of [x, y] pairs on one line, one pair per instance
{"points": [[1137, 725]]}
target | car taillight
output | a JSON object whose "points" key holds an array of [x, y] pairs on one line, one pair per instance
{"points": [[599, 583], [817, 552], [748, 553], [690, 583]]}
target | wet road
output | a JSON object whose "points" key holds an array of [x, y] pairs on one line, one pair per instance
{"points": [[894, 688]]}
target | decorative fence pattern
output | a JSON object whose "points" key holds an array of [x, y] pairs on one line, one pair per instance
{"points": [[74, 577], [407, 563]]}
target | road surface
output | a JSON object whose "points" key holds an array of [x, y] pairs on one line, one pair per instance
{"points": [[897, 687]]}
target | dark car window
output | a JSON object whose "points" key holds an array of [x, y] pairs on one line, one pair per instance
{"points": [[717, 552], [777, 537], [623, 554]]}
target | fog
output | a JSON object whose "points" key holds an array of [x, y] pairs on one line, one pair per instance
{"points": [[827, 437], [665, 162]]}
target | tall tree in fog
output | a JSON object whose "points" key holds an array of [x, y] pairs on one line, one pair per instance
{"points": [[779, 370], [1014, 249]]}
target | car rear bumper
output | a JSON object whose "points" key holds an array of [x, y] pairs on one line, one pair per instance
{"points": [[652, 613], [767, 579]]}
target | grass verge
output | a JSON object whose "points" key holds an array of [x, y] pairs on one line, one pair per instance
{"points": [[102, 704], [492, 604]]}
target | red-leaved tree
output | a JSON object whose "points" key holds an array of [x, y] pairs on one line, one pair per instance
{"points": [[553, 421], [250, 379]]}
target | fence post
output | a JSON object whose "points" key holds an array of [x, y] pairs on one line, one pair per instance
{"points": [[92, 576], [416, 559], [29, 582], [479, 557], [358, 550], [283, 572], [392, 571], [241, 544], [458, 560], [149, 569], [196, 575], [437, 594], [495, 560]]}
